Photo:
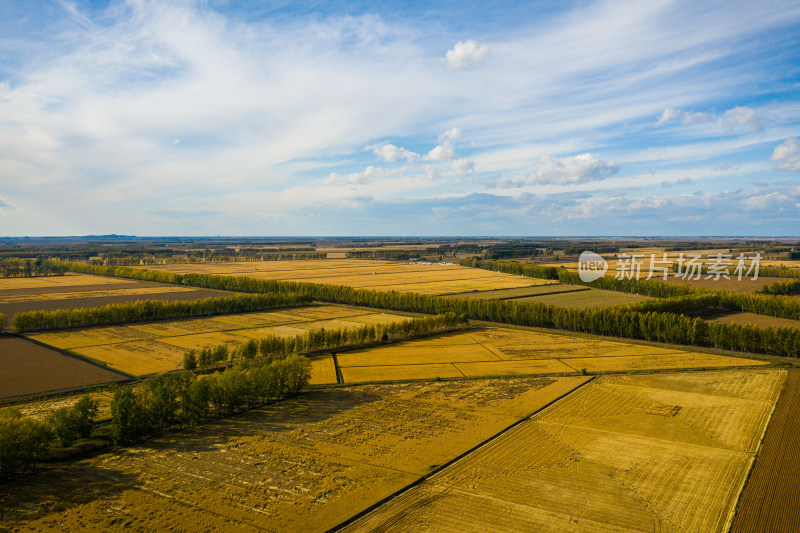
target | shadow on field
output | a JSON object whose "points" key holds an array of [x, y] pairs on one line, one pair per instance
{"points": [[311, 407], [32, 497]]}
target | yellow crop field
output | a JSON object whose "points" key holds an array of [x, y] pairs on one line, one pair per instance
{"points": [[147, 348], [136, 358], [323, 371], [67, 280], [362, 374], [623, 453], [368, 274], [90, 294], [496, 351], [306, 464], [513, 368], [415, 352], [75, 338], [685, 360]]}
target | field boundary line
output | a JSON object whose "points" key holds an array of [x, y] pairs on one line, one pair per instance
{"points": [[456, 459], [337, 369]]}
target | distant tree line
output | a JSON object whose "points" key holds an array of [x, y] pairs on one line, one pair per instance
{"points": [[762, 304], [184, 398], [613, 321], [324, 339], [144, 310], [27, 268]]}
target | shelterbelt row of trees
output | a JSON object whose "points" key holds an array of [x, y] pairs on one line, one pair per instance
{"points": [[612, 321], [763, 304], [14, 267], [184, 398], [151, 408], [144, 310], [24, 441], [791, 286], [324, 339]]}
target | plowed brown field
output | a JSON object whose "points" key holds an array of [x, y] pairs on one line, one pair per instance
{"points": [[771, 499], [28, 368]]}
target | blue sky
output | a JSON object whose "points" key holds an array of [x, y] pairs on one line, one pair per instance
{"points": [[375, 118]]}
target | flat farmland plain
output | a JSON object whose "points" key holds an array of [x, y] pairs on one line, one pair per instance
{"points": [[148, 348], [72, 291], [495, 351], [363, 274], [623, 453], [306, 464]]}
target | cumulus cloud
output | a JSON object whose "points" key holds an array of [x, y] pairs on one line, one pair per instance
{"points": [[445, 150], [4, 205], [671, 114], [369, 175], [463, 167], [465, 55], [746, 117], [581, 168], [787, 155], [391, 153]]}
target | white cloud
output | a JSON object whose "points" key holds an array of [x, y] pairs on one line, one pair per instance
{"points": [[391, 153], [745, 116], [463, 167], [772, 200], [466, 55], [787, 155], [4, 205], [444, 151], [581, 168], [671, 114], [369, 175]]}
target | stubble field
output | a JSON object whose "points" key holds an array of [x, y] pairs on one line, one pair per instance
{"points": [[624, 453], [148, 348], [434, 278], [306, 464], [498, 351]]}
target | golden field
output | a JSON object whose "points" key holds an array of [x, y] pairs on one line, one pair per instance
{"points": [[149, 348], [495, 351], [623, 453], [367, 274], [306, 464]]}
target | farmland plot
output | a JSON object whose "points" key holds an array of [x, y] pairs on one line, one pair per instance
{"points": [[305, 464], [148, 348], [623, 453], [504, 352]]}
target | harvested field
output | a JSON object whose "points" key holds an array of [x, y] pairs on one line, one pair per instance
{"points": [[503, 351], [73, 291], [305, 464], [149, 348], [42, 409], [771, 500], [761, 321], [623, 453], [745, 285], [586, 299], [378, 275], [29, 368], [513, 294]]}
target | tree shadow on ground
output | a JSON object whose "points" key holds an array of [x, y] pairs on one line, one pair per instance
{"points": [[56, 490]]}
